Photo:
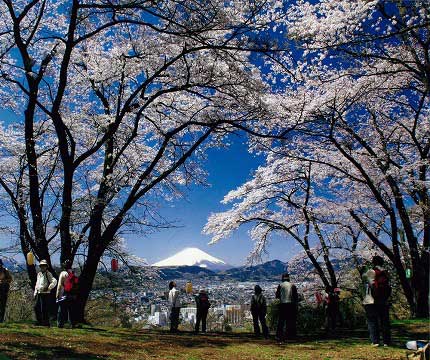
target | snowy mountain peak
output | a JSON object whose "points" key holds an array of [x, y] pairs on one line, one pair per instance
{"points": [[193, 257]]}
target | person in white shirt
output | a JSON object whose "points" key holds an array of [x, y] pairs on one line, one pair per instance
{"points": [[44, 284], [287, 294], [175, 306]]}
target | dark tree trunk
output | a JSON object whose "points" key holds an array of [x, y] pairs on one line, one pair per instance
{"points": [[86, 280]]}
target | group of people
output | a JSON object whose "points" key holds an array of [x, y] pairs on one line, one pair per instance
{"points": [[65, 293], [376, 305], [377, 293], [202, 306], [286, 293]]}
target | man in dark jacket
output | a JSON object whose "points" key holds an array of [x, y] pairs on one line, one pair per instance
{"points": [[203, 305], [287, 294], [259, 311], [5, 280]]}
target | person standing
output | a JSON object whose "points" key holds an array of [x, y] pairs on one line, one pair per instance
{"points": [[378, 291], [67, 291], [175, 306], [44, 284], [203, 305], [5, 280], [287, 294], [331, 303], [259, 311]]}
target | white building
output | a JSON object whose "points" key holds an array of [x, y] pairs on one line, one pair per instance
{"points": [[189, 314], [158, 319]]}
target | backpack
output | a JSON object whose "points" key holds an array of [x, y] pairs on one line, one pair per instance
{"points": [[204, 301], [71, 283], [381, 289]]}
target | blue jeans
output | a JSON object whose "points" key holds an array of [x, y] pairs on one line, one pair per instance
{"points": [[378, 318]]}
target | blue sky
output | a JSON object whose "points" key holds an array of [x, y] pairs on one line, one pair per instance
{"points": [[227, 168]]}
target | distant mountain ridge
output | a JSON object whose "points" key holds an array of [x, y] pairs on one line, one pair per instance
{"points": [[270, 270], [267, 271]]}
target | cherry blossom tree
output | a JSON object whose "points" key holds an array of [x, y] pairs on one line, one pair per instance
{"points": [[281, 200], [112, 103], [352, 99]]}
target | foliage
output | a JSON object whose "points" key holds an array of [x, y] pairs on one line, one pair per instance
{"points": [[347, 165]]}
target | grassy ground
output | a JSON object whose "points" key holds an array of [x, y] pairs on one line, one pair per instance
{"points": [[24, 341]]}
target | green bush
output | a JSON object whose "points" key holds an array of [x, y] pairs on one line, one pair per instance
{"points": [[312, 318]]}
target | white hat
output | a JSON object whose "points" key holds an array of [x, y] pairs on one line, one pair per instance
{"points": [[43, 262]]}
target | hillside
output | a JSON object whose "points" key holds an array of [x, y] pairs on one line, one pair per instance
{"points": [[26, 342], [271, 270]]}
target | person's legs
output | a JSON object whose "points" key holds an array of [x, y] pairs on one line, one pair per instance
{"points": [[255, 322], [384, 316], [331, 318], [204, 317], [291, 316], [174, 319], [280, 334], [372, 323], [62, 313], [264, 328], [198, 319], [4, 291], [38, 310], [44, 300]]}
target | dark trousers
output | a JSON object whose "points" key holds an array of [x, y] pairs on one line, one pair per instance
{"points": [[260, 316], [378, 318], [174, 318], [42, 309], [287, 318], [4, 291], [333, 316], [66, 312], [201, 315]]}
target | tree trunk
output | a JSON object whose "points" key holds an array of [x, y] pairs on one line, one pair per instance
{"points": [[86, 280]]}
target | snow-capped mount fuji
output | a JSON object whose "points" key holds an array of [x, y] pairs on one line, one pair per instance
{"points": [[194, 257]]}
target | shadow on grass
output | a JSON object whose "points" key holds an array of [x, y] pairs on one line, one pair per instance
{"points": [[39, 351]]}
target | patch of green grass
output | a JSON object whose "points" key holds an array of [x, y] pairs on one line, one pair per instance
{"points": [[25, 341]]}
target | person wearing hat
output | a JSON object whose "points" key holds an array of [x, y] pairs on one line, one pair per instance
{"points": [[287, 294], [5, 280], [44, 284], [259, 311], [202, 305]]}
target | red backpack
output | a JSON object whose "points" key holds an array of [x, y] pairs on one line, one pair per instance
{"points": [[71, 283], [381, 289]]}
